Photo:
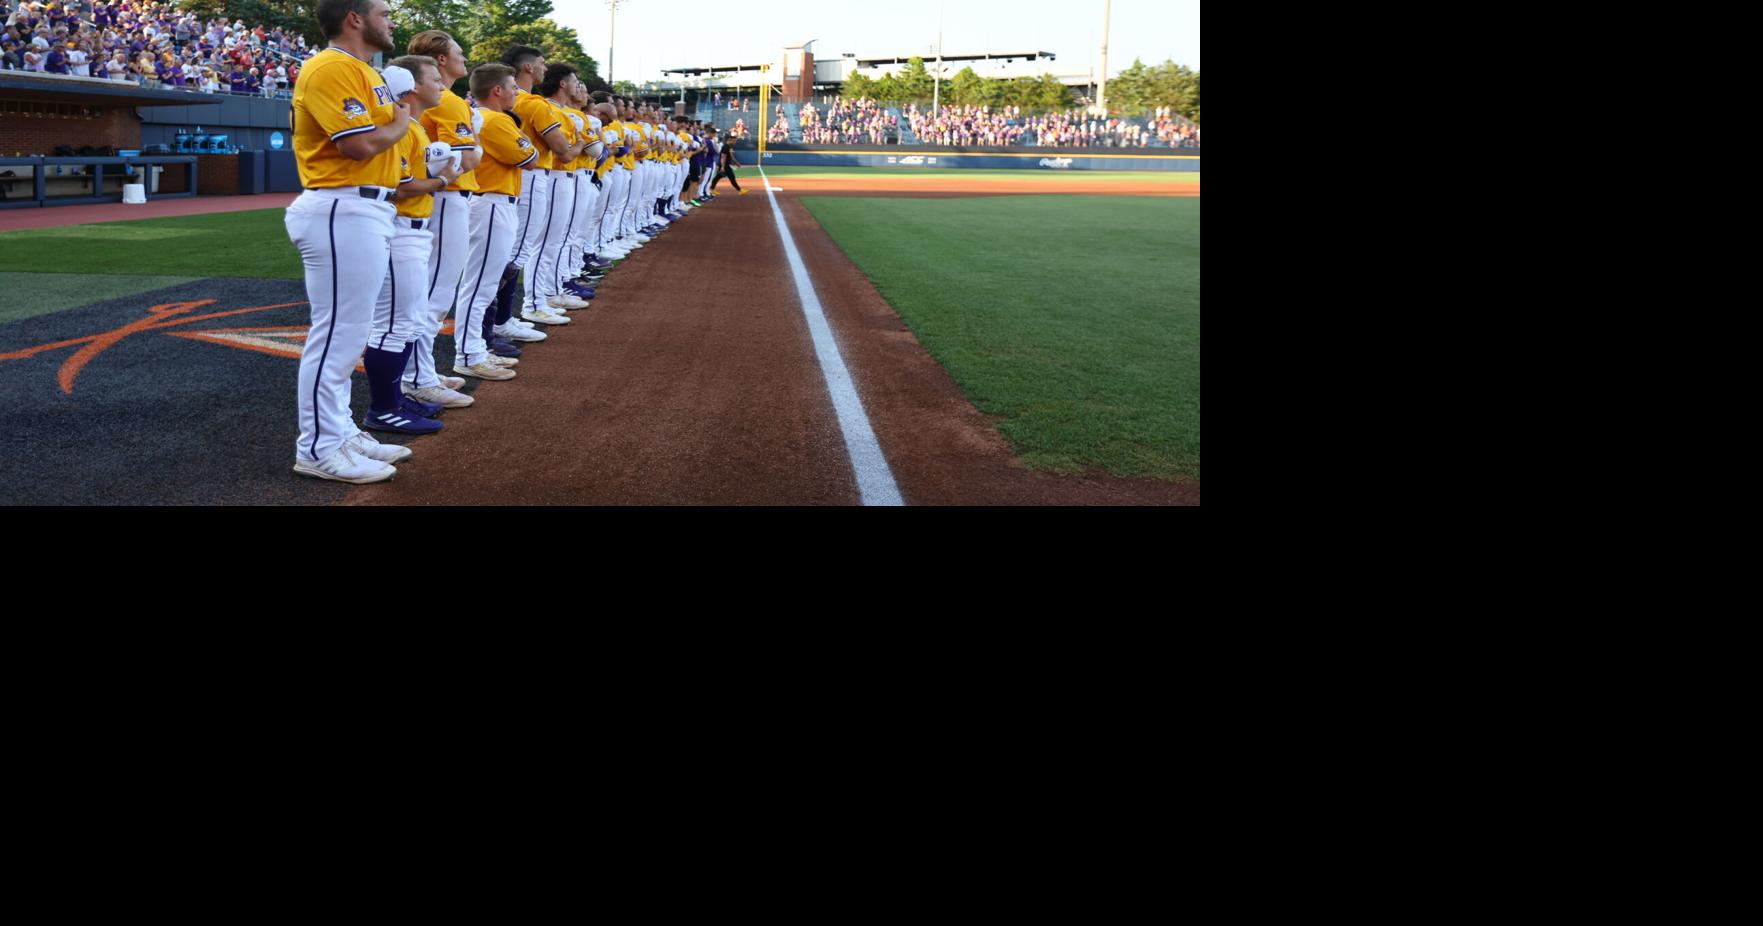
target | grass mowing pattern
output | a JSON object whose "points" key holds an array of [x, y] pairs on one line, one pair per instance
{"points": [[1075, 319], [233, 244], [27, 295]]}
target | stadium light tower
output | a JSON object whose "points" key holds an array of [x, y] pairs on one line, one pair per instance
{"points": [[1102, 91], [936, 101], [611, 31]]}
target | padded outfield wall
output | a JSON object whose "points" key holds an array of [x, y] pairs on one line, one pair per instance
{"points": [[1041, 159]]}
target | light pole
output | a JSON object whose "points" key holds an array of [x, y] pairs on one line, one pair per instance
{"points": [[1102, 91], [936, 97], [611, 31]]}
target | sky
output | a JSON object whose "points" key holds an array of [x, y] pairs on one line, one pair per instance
{"points": [[656, 34]]}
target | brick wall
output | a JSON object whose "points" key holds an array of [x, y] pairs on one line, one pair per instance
{"points": [[28, 134]]}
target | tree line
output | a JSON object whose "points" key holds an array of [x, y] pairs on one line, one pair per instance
{"points": [[1136, 91]]}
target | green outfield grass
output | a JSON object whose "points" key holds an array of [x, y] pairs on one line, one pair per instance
{"points": [[234, 244], [1074, 319], [1145, 176]]}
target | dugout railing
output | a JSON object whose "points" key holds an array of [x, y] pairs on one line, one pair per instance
{"points": [[34, 182]]}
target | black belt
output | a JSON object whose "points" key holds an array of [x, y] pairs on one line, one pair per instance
{"points": [[416, 224], [367, 192], [464, 194]]}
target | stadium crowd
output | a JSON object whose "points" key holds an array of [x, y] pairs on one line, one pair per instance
{"points": [[150, 43], [866, 122], [855, 122], [967, 125]]}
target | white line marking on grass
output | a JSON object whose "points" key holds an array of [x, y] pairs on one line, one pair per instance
{"points": [[875, 482]]}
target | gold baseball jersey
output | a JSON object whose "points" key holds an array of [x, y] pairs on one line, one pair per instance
{"points": [[590, 130], [537, 116], [609, 137], [627, 133], [569, 136], [339, 95], [414, 167], [506, 150], [450, 122]]}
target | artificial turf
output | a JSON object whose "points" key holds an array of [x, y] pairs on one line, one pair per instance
{"points": [[1073, 319], [233, 244]]}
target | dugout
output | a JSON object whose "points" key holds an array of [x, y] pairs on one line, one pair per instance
{"points": [[61, 137]]}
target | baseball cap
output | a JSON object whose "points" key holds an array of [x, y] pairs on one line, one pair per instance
{"points": [[398, 80]]}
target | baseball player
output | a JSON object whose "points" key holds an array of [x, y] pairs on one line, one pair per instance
{"points": [[558, 89], [713, 149], [637, 141], [600, 247], [617, 180], [506, 153], [346, 128], [403, 306], [542, 125], [456, 124], [588, 195]]}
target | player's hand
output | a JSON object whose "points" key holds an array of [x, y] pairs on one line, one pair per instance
{"points": [[446, 173], [403, 110]]}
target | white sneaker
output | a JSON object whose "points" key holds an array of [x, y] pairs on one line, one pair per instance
{"points": [[544, 317], [643, 239], [566, 301], [440, 395], [452, 382], [499, 361], [346, 466], [365, 445], [515, 332], [484, 371]]}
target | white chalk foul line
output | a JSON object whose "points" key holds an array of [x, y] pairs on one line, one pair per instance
{"points": [[875, 482]]}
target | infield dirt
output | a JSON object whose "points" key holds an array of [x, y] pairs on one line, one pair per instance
{"points": [[692, 380]]}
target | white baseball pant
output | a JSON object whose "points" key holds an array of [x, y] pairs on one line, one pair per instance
{"points": [[403, 305], [452, 245], [602, 198], [492, 240], [532, 214], [344, 239], [618, 185], [541, 266], [587, 197]]}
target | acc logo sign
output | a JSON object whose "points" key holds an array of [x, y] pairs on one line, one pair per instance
{"points": [[352, 107], [1059, 163], [913, 160]]}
